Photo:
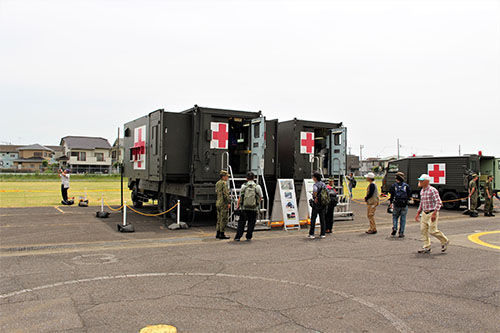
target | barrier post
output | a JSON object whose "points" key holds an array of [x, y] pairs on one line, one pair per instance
{"points": [[124, 213], [178, 212], [102, 202]]}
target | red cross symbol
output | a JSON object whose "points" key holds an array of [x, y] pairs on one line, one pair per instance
{"points": [[221, 136], [139, 147], [308, 143], [436, 173]]}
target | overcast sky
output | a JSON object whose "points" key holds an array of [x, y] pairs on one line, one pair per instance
{"points": [[427, 72]]}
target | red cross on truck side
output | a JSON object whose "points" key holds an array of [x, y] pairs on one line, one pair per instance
{"points": [[436, 173], [139, 147], [308, 143], [221, 136]]}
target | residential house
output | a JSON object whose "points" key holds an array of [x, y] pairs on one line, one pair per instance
{"points": [[353, 164], [85, 154], [8, 153], [117, 154], [33, 157]]}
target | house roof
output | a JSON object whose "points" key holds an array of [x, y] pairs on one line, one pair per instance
{"points": [[56, 148], [30, 159], [62, 158], [35, 146], [116, 142], [9, 148], [85, 142]]}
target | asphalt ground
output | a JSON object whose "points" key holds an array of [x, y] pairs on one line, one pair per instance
{"points": [[62, 269]]}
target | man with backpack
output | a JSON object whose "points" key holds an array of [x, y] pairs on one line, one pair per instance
{"points": [[321, 200], [249, 202], [400, 194]]}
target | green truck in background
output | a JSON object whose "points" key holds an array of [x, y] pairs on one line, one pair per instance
{"points": [[450, 175]]}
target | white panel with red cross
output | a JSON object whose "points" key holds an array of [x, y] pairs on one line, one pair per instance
{"points": [[307, 142], [220, 135], [437, 172], [139, 148]]}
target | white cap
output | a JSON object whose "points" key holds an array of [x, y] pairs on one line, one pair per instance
{"points": [[424, 176], [370, 175]]}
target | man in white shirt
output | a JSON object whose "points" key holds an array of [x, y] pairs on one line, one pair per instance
{"points": [[64, 185]]}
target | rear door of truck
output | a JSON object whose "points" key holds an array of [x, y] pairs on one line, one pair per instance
{"points": [[177, 144], [258, 145]]}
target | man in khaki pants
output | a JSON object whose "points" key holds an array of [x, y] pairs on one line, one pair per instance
{"points": [[372, 202], [430, 203]]}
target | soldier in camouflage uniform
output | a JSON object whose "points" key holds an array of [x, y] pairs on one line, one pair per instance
{"points": [[223, 204], [488, 195], [473, 195]]}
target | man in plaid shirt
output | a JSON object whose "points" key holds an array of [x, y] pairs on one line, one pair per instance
{"points": [[430, 203]]}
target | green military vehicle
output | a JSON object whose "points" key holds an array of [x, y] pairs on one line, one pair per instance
{"points": [[450, 175], [172, 156]]}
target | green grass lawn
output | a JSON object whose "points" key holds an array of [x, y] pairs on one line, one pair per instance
{"points": [[48, 193]]}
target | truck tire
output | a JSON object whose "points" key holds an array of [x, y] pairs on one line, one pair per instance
{"points": [[187, 209], [451, 196], [135, 200]]}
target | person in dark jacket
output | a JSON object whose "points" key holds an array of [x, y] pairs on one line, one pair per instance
{"points": [[330, 211], [400, 194], [318, 209]]}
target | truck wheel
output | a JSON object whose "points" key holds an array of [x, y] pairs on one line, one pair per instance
{"points": [[135, 199], [451, 196], [187, 210]]}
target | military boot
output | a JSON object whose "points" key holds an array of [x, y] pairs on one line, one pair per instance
{"points": [[223, 236], [218, 234]]}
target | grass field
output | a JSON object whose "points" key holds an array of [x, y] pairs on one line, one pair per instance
{"points": [[48, 193], [39, 192]]}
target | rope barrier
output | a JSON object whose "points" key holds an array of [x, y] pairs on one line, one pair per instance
{"points": [[158, 214], [138, 212]]}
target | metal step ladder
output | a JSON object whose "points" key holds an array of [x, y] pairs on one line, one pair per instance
{"points": [[343, 210], [263, 221]]}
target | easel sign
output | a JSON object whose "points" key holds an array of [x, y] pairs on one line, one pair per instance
{"points": [[285, 197], [306, 194]]}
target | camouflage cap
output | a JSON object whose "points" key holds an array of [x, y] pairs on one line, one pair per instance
{"points": [[474, 175], [401, 174], [224, 173]]}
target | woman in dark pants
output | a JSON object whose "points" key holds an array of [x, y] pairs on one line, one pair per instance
{"points": [[331, 207]]}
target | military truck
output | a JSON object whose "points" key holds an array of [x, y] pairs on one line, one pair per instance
{"points": [[450, 175], [178, 156], [307, 146]]}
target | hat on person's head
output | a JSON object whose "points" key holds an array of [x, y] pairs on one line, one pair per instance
{"points": [[331, 179], [224, 173], [370, 175], [400, 175], [474, 175], [424, 176]]}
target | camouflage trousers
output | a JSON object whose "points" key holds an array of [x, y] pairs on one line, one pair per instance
{"points": [[473, 203], [222, 218], [488, 206]]}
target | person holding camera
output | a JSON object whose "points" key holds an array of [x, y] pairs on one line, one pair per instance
{"points": [[249, 201], [319, 205], [400, 193], [64, 185]]}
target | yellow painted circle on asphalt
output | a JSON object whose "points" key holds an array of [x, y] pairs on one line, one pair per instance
{"points": [[159, 329], [475, 239]]}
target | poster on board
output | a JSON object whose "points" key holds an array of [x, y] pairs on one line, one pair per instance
{"points": [[306, 194], [285, 198]]}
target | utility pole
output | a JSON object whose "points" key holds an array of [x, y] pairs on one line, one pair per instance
{"points": [[398, 148], [361, 153], [459, 150], [349, 150]]}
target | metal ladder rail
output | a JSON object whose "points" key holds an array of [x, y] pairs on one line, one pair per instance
{"points": [[320, 168]]}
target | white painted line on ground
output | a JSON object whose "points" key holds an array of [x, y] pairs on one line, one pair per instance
{"points": [[393, 319]]}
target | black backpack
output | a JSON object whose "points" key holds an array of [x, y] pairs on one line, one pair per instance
{"points": [[400, 194]]}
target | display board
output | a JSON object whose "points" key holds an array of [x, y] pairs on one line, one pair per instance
{"points": [[306, 194], [284, 197]]}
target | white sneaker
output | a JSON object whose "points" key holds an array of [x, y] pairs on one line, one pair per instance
{"points": [[310, 236], [322, 236]]}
